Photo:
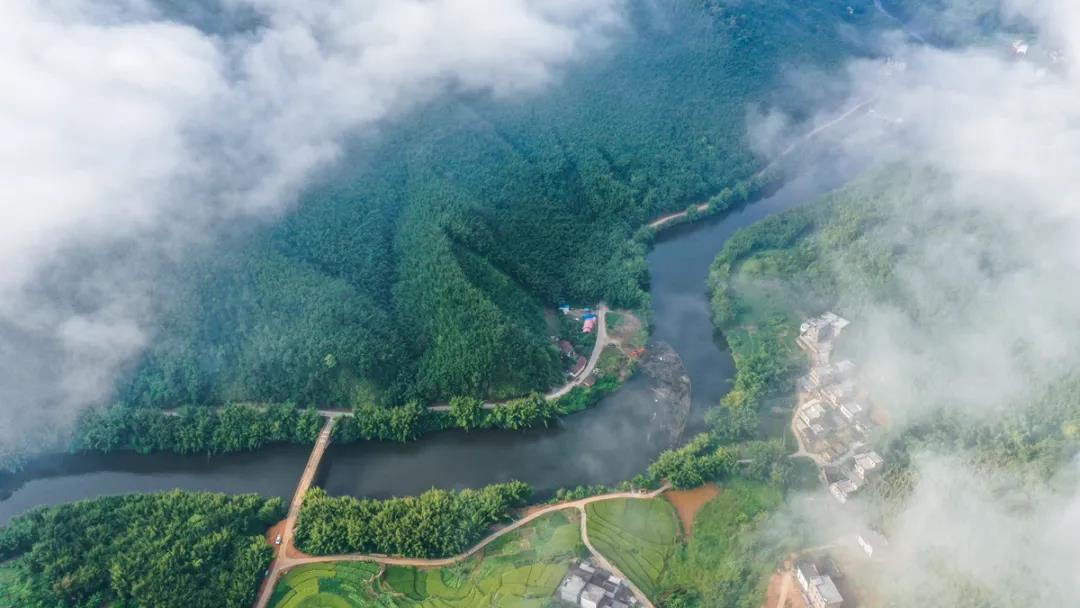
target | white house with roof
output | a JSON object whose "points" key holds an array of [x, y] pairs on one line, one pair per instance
{"points": [[818, 588], [867, 464], [851, 410], [811, 412], [843, 489]]}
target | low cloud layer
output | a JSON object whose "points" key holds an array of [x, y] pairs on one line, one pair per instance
{"points": [[130, 138], [991, 256]]}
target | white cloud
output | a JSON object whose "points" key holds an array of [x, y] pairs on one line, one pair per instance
{"points": [[128, 133]]}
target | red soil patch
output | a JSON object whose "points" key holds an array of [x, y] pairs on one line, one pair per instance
{"points": [[791, 596], [688, 502]]}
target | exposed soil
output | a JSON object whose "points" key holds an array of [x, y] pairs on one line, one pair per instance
{"points": [[627, 331], [783, 591], [687, 503]]}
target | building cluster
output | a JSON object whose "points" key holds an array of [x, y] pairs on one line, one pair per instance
{"points": [[816, 583], [588, 586], [832, 421]]}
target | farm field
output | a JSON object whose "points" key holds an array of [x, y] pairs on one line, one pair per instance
{"points": [[521, 569], [638, 536], [336, 585]]}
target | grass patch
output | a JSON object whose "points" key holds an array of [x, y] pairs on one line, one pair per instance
{"points": [[614, 320], [520, 569], [638, 536]]}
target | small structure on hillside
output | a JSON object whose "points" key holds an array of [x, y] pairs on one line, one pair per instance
{"points": [[564, 309], [567, 348], [588, 586], [588, 325], [843, 489], [866, 465], [817, 334], [818, 589]]}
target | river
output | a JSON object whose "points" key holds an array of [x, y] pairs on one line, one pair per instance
{"points": [[611, 442]]}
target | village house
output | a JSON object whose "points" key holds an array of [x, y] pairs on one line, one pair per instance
{"points": [[843, 489], [851, 410], [587, 586], [817, 334], [811, 412], [566, 348], [867, 464], [818, 589]]}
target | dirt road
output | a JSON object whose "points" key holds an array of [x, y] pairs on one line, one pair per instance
{"points": [[281, 561], [284, 562]]}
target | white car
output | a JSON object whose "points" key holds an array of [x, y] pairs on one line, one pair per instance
{"points": [[277, 541]]}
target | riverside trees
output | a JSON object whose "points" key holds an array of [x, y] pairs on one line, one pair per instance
{"points": [[171, 550], [438, 523]]}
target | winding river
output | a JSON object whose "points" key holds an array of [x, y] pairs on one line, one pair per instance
{"points": [[606, 444]]}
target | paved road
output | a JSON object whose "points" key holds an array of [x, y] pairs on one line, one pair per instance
{"points": [[284, 562]]}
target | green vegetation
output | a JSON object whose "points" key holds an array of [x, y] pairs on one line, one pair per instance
{"points": [[193, 430], [638, 536], [437, 523], [520, 569], [10, 581], [694, 464], [727, 562], [175, 549], [418, 269], [335, 585]]}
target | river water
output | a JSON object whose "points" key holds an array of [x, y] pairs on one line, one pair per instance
{"points": [[611, 442]]}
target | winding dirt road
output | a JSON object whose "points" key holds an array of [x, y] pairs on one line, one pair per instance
{"points": [[284, 562]]}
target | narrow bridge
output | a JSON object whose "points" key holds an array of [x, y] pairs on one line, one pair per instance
{"points": [[280, 563]]}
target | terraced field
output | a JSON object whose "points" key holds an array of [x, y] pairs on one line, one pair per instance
{"points": [[522, 569], [638, 536], [338, 585]]}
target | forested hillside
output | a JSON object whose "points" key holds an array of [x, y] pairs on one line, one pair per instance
{"points": [[420, 266]]}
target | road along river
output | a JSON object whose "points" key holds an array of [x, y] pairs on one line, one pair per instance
{"points": [[606, 444]]}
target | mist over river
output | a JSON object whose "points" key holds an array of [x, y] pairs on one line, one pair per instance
{"points": [[611, 442]]}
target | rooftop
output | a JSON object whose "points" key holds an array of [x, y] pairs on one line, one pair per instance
{"points": [[826, 588]]}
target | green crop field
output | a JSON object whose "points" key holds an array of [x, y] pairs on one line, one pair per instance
{"points": [[336, 585], [521, 569], [638, 536]]}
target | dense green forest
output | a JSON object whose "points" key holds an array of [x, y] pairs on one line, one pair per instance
{"points": [[438, 523], [418, 268], [171, 550]]}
